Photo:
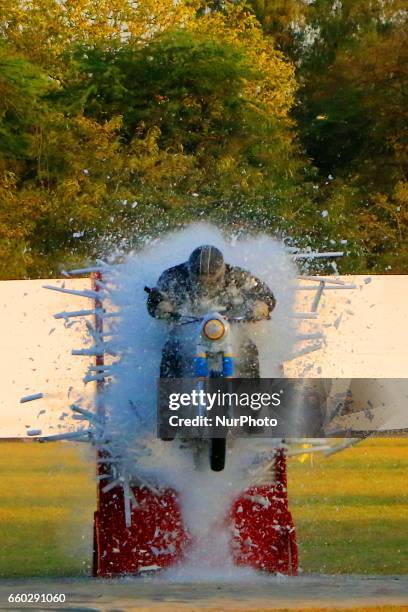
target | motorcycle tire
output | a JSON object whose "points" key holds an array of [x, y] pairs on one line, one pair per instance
{"points": [[164, 435], [218, 447]]}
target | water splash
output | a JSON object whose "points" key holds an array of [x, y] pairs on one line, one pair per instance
{"points": [[131, 398]]}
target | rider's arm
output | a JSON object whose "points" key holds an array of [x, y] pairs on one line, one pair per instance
{"points": [[258, 296], [159, 303], [264, 300]]}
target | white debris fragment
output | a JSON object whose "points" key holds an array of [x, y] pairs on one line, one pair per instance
{"points": [[317, 255], [94, 377], [83, 435], [31, 398], [259, 499], [90, 416], [311, 336], [74, 313], [334, 266], [304, 315], [96, 350], [93, 295], [325, 279], [89, 270], [308, 349]]}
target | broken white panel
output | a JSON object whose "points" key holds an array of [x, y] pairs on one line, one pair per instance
{"points": [[32, 360], [365, 329]]}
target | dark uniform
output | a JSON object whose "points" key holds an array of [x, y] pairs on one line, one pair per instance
{"points": [[234, 289]]}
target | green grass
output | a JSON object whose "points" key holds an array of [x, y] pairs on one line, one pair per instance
{"points": [[47, 499], [350, 510]]}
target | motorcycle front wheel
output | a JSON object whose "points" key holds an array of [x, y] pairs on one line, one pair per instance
{"points": [[218, 447]]}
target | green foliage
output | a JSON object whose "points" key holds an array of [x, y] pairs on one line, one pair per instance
{"points": [[351, 115], [112, 129], [22, 86], [188, 124]]}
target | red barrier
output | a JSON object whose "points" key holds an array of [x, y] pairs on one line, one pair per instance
{"points": [[263, 533], [263, 530], [156, 538]]}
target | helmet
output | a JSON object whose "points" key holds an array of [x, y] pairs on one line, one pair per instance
{"points": [[206, 264]]}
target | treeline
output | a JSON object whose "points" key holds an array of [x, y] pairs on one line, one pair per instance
{"points": [[120, 119]]}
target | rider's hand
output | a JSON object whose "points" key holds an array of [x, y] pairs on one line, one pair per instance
{"points": [[260, 310], [158, 304], [164, 310]]}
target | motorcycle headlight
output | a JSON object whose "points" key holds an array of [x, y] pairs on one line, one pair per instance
{"points": [[214, 329]]}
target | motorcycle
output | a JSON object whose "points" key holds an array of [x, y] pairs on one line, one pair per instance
{"points": [[213, 358]]}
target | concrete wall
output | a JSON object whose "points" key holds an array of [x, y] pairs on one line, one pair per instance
{"points": [[366, 332]]}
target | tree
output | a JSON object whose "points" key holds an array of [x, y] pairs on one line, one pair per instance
{"points": [[130, 136], [353, 120], [43, 30], [22, 86], [351, 59], [193, 132], [54, 186], [282, 19]]}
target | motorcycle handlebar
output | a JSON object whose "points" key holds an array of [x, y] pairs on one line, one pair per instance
{"points": [[185, 318], [194, 319]]}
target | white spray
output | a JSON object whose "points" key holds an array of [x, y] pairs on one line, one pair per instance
{"points": [[131, 398]]}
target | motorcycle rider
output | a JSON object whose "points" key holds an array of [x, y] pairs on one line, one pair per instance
{"points": [[205, 282]]}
